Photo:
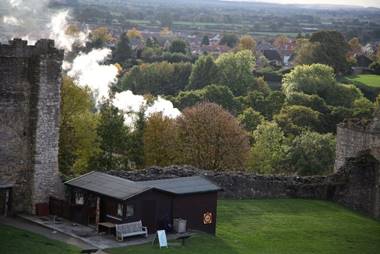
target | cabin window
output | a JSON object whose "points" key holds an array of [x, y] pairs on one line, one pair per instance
{"points": [[120, 210], [79, 198], [130, 210]]}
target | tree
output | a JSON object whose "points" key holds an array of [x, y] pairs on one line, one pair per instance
{"points": [[78, 140], [235, 71], [152, 42], [294, 119], [100, 37], [157, 78], [310, 79], [113, 139], [363, 108], [304, 51], [250, 119], [310, 101], [229, 39], [280, 42], [134, 33], [204, 72], [266, 104], [332, 50], [320, 80], [123, 51], [188, 99], [178, 46], [205, 40], [312, 153], [136, 140], [269, 149], [220, 95], [375, 67], [247, 42], [355, 47], [211, 138], [160, 141]]}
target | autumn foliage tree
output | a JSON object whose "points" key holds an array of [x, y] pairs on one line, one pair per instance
{"points": [[211, 138], [160, 146]]}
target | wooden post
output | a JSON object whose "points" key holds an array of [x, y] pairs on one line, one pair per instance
{"points": [[97, 217]]}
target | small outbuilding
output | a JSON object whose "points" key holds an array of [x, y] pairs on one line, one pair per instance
{"points": [[98, 197]]}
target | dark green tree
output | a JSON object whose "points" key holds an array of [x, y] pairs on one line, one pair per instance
{"points": [[311, 153], [136, 140], [294, 119], [332, 50], [229, 39], [122, 52], [178, 46], [205, 72], [113, 136], [250, 119], [205, 40]]}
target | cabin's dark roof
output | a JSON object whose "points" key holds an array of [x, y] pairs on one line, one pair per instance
{"points": [[183, 185], [108, 185], [5, 184], [123, 189]]}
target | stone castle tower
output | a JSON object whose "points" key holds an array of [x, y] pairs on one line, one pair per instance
{"points": [[355, 136], [30, 79]]}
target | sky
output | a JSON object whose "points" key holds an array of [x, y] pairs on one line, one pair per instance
{"points": [[365, 3]]}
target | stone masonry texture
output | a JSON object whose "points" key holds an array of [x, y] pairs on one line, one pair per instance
{"points": [[30, 79], [356, 185]]}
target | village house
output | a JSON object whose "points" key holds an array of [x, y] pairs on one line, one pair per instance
{"points": [[97, 197]]}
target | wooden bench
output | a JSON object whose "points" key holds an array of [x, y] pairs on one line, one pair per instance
{"points": [[130, 229]]}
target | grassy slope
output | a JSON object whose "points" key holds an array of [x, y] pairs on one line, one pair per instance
{"points": [[370, 80], [280, 226], [15, 241]]}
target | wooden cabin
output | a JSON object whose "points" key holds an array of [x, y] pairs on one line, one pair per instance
{"points": [[98, 197]]}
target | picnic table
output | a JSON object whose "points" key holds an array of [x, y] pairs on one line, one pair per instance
{"points": [[108, 225]]}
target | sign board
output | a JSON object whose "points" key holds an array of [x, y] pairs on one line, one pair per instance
{"points": [[162, 238]]}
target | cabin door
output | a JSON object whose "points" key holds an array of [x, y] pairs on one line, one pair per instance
{"points": [[149, 215], [4, 201]]}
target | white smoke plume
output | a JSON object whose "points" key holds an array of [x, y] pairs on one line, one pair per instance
{"points": [[30, 17], [10, 20], [58, 28], [89, 70], [130, 104], [33, 20]]}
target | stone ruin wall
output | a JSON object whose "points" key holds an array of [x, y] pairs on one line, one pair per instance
{"points": [[356, 185], [354, 137], [29, 121]]}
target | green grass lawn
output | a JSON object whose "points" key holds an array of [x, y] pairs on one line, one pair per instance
{"points": [[370, 80], [280, 226], [15, 241]]}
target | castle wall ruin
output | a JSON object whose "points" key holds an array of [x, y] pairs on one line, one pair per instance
{"points": [[354, 136], [356, 185], [30, 78]]}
